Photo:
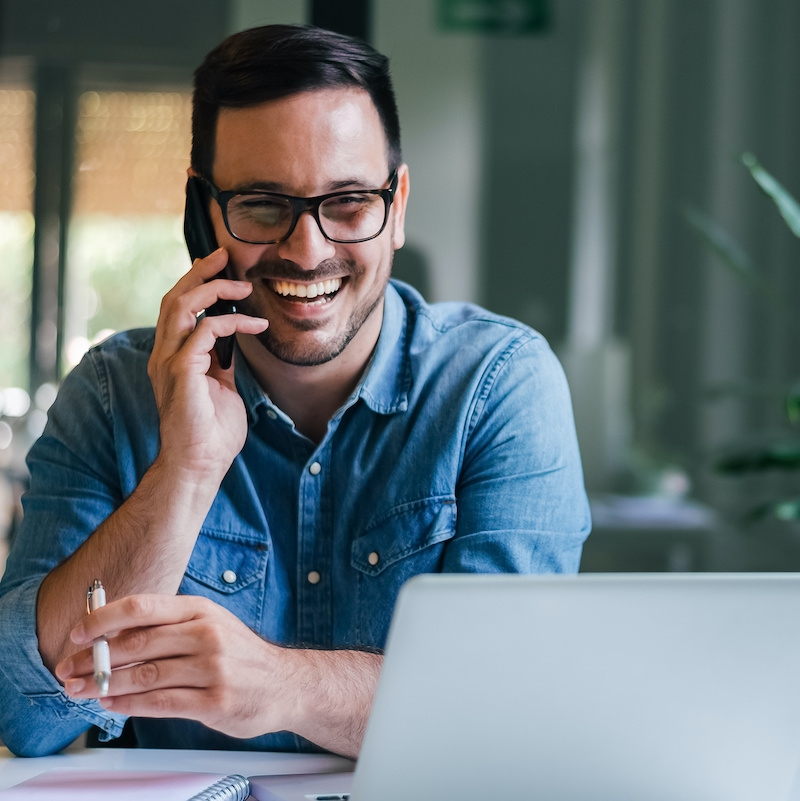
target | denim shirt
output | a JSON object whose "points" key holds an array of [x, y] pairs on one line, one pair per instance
{"points": [[455, 453]]}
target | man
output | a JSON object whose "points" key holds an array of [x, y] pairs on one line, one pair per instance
{"points": [[360, 437]]}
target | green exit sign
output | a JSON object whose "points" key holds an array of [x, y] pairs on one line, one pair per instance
{"points": [[494, 16]]}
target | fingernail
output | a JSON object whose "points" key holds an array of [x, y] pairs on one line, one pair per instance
{"points": [[74, 685], [106, 703]]}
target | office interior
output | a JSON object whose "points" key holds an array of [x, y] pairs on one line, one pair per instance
{"points": [[575, 164]]}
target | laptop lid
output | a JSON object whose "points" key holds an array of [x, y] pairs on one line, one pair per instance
{"points": [[588, 687]]}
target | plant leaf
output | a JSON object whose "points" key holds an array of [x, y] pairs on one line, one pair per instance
{"points": [[782, 456], [787, 205], [793, 403], [732, 254], [788, 509]]}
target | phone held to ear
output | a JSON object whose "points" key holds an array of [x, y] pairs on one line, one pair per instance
{"points": [[200, 240]]}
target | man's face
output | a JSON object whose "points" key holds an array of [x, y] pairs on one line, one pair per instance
{"points": [[306, 145]]}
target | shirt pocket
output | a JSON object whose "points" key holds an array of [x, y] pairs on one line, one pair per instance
{"points": [[397, 545], [231, 571]]}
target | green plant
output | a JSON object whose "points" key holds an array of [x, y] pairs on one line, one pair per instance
{"points": [[782, 454]]}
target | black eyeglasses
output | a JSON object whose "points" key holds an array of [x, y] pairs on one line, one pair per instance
{"points": [[267, 218]]}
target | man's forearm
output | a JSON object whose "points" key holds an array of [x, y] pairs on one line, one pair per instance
{"points": [[144, 547], [334, 694]]}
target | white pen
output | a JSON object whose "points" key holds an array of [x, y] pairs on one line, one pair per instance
{"points": [[95, 598]]}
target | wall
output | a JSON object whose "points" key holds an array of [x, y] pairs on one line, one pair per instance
{"points": [[438, 80], [491, 132]]}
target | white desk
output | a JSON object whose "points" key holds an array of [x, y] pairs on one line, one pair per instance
{"points": [[249, 763]]}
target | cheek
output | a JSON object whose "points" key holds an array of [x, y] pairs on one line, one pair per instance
{"points": [[241, 256], [377, 262], [243, 259]]}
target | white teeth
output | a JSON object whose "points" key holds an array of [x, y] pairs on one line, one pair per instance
{"points": [[307, 290]]}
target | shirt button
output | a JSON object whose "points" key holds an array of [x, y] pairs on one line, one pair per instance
{"points": [[272, 414], [314, 577], [314, 468], [374, 558], [229, 577]]}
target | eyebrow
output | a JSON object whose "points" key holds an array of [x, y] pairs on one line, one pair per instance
{"points": [[280, 189]]}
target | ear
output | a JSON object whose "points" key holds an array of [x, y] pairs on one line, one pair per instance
{"points": [[399, 206]]}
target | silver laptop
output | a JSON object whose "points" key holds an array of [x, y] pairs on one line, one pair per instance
{"points": [[583, 688]]}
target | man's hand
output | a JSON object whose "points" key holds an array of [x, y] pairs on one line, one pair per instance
{"points": [[187, 657], [203, 422], [179, 657], [145, 545]]}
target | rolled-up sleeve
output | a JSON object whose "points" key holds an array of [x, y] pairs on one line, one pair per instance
{"points": [[36, 716], [72, 491]]}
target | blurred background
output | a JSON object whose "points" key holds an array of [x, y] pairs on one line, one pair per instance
{"points": [[575, 164]]}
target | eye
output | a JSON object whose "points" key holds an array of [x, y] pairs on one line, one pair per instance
{"points": [[259, 207], [258, 203], [349, 200], [348, 206]]}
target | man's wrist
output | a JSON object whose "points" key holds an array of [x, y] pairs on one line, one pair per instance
{"points": [[328, 695], [195, 485]]}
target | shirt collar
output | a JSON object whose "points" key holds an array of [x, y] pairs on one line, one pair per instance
{"points": [[249, 388], [385, 386]]}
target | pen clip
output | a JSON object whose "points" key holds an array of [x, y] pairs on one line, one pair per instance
{"points": [[95, 585]]}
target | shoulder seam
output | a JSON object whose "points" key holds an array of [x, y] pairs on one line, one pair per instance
{"points": [[489, 379]]}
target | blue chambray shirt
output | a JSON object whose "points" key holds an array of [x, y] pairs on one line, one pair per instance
{"points": [[455, 453]]}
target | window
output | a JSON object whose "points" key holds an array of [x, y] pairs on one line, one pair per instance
{"points": [[16, 231], [126, 245]]}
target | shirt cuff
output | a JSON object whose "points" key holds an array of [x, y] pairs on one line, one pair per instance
{"points": [[22, 665]]}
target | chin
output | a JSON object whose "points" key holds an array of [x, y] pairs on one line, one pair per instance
{"points": [[311, 354]]}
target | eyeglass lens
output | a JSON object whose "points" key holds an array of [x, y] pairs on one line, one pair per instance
{"points": [[265, 218]]}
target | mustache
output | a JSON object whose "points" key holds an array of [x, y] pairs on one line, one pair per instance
{"points": [[284, 270]]}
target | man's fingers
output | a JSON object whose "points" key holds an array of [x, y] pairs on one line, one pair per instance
{"points": [[210, 329], [141, 627], [204, 269], [174, 656], [169, 703], [179, 313], [203, 296], [137, 611], [201, 272], [142, 676], [198, 289], [135, 645]]}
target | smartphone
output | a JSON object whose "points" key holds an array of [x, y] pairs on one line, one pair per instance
{"points": [[199, 234]]}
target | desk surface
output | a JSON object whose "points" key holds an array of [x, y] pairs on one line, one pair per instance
{"points": [[249, 763]]}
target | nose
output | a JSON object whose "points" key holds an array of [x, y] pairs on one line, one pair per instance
{"points": [[307, 246]]}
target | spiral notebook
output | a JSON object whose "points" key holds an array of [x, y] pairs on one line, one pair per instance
{"points": [[79, 784]]}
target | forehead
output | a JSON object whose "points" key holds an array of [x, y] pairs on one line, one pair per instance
{"points": [[302, 140]]}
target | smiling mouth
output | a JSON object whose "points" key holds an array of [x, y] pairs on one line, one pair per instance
{"points": [[315, 294]]}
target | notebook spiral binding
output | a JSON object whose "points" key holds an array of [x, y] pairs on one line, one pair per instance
{"points": [[231, 788]]}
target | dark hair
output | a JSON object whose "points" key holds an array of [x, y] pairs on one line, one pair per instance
{"points": [[276, 61]]}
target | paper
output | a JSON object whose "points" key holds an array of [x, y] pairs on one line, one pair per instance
{"points": [[77, 784]]}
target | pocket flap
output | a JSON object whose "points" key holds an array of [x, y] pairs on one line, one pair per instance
{"points": [[226, 565], [403, 531]]}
